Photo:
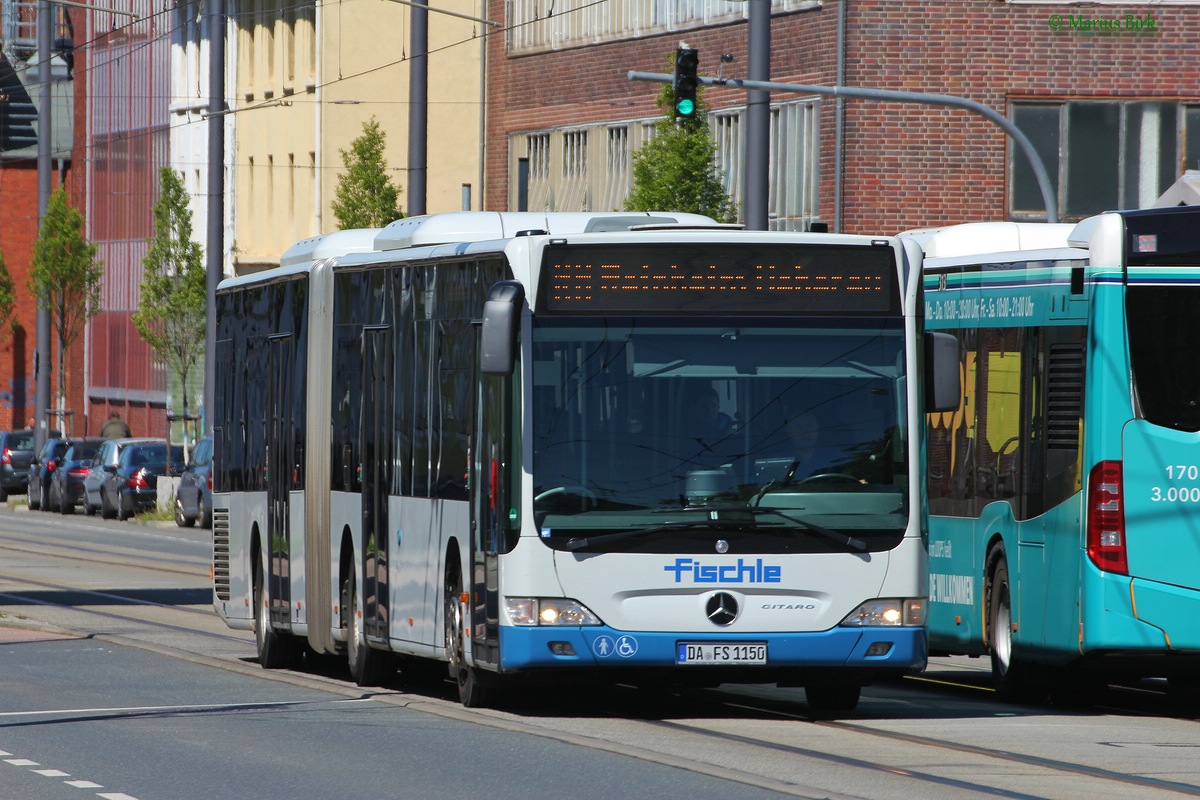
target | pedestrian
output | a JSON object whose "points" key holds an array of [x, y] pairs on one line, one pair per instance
{"points": [[115, 428]]}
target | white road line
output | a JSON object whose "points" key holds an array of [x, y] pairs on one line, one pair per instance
{"points": [[58, 773]]}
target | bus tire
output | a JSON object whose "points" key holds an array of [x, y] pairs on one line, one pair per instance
{"points": [[1008, 674], [276, 650], [368, 666], [474, 690]]}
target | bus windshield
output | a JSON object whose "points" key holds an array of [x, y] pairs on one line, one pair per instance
{"points": [[672, 425]]}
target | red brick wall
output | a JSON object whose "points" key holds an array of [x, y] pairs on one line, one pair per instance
{"points": [[18, 234], [904, 165]]}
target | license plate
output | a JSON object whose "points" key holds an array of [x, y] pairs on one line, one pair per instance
{"points": [[730, 653]]}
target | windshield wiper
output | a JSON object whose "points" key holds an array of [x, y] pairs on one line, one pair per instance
{"points": [[852, 542], [580, 542]]}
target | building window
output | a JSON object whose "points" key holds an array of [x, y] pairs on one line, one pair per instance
{"points": [[595, 170], [1101, 155], [540, 25]]}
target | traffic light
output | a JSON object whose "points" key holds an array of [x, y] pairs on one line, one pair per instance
{"points": [[686, 60]]}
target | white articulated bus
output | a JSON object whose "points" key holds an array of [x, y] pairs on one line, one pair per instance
{"points": [[622, 446]]}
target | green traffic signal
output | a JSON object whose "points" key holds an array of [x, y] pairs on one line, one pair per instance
{"points": [[686, 61]]}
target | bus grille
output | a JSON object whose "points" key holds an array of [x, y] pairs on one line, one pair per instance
{"points": [[220, 528], [1065, 396]]}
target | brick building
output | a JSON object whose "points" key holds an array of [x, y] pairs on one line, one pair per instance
{"points": [[1108, 93], [20, 97]]}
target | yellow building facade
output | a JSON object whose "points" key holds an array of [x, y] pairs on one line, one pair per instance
{"points": [[308, 77]]}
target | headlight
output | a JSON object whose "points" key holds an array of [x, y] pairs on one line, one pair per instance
{"points": [[892, 613], [548, 611]]}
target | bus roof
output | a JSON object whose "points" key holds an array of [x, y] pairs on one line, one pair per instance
{"points": [[330, 245], [973, 238], [482, 226]]}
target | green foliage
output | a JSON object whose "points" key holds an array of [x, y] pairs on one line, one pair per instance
{"points": [[8, 297], [677, 169], [364, 197], [64, 275], [172, 308]]}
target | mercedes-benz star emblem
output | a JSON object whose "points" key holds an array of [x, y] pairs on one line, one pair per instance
{"points": [[722, 608]]}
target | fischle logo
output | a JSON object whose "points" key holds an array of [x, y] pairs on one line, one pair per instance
{"points": [[741, 572], [1079, 23]]}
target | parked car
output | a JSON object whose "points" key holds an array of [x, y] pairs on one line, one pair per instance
{"points": [[104, 462], [16, 454], [193, 498], [66, 484], [42, 469], [132, 485]]}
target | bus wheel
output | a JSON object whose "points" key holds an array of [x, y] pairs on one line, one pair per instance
{"points": [[275, 650], [368, 667], [824, 698], [1008, 676], [473, 691]]}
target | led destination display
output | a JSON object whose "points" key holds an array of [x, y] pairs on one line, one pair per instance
{"points": [[778, 279]]}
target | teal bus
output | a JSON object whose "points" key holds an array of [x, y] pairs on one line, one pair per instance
{"points": [[1064, 491]]}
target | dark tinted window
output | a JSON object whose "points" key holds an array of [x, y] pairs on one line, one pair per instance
{"points": [[1163, 329]]}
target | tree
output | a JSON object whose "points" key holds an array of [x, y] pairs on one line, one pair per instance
{"points": [[365, 198], [677, 169], [174, 291], [65, 276]]}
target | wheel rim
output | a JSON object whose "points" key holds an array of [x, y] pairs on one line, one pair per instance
{"points": [[454, 635], [354, 634], [1003, 630], [260, 614]]}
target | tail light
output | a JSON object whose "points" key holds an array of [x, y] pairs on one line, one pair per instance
{"points": [[1106, 518], [51, 465], [210, 481], [7, 458], [138, 480], [78, 472]]}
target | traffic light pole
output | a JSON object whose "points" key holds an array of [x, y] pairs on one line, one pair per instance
{"points": [[1035, 161], [756, 193]]}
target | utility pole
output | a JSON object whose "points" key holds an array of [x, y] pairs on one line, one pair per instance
{"points": [[41, 355], [418, 111], [215, 247], [758, 117]]}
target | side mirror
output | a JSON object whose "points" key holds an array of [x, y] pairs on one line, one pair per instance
{"points": [[501, 320], [943, 389]]}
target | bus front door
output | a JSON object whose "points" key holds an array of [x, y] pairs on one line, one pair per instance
{"points": [[490, 501]]}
